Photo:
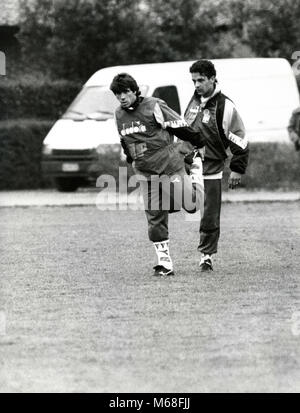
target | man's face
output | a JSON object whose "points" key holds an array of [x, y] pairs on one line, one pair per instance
{"points": [[127, 98], [204, 86]]}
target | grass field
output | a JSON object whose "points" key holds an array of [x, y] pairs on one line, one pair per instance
{"points": [[81, 311]]}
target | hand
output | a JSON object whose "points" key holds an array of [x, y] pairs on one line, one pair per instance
{"points": [[200, 151], [234, 180]]}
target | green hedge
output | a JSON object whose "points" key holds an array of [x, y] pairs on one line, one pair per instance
{"points": [[271, 166], [41, 99], [20, 154]]}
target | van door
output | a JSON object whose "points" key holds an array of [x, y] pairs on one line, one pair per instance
{"points": [[170, 95]]}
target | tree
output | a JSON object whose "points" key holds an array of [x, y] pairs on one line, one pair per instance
{"points": [[270, 28], [74, 39]]}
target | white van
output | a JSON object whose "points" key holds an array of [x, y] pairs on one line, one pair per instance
{"points": [[263, 89]]}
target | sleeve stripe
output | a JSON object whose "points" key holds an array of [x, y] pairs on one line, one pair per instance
{"points": [[241, 142], [227, 116], [232, 122], [176, 123]]}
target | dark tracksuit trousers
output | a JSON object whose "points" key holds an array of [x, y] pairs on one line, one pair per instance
{"points": [[218, 120], [170, 198], [210, 222]]}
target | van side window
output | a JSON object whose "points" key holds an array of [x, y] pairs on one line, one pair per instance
{"points": [[170, 95]]}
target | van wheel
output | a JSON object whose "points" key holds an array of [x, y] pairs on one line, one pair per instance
{"points": [[67, 184]]}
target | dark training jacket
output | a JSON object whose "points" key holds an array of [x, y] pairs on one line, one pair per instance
{"points": [[217, 119], [146, 133]]}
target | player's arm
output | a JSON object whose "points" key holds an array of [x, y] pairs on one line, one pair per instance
{"points": [[124, 147], [176, 125], [235, 132], [126, 151]]}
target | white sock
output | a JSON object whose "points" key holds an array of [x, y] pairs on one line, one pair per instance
{"points": [[205, 257], [196, 171], [163, 254]]}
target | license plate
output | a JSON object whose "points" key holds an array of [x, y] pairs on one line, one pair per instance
{"points": [[70, 167]]}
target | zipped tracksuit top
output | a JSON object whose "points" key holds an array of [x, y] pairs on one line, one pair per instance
{"points": [[217, 119], [146, 131]]}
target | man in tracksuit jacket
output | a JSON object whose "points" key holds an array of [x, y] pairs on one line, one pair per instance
{"points": [[294, 128], [215, 116], [146, 126]]}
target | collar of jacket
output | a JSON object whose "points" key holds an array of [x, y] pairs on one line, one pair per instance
{"points": [[202, 100], [138, 100]]}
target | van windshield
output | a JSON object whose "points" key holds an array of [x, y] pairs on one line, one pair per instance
{"points": [[94, 102]]}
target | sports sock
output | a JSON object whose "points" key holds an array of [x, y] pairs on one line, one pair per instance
{"points": [[163, 254], [205, 257]]}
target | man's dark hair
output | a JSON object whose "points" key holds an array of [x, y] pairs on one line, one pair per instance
{"points": [[122, 82], [204, 67]]}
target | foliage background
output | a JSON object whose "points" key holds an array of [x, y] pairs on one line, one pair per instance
{"points": [[42, 99], [75, 38]]}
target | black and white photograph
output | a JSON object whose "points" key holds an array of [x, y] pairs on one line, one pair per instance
{"points": [[149, 199]]}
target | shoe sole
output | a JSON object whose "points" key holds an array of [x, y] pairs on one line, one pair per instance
{"points": [[206, 270], [168, 274]]}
